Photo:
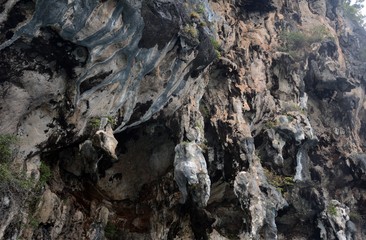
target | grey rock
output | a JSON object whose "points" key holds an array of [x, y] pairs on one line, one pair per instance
{"points": [[357, 164], [190, 173], [263, 205], [106, 141], [90, 157], [257, 114]]}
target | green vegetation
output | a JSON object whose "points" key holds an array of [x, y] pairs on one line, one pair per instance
{"points": [[6, 141], [199, 12], [332, 210], [271, 124], [216, 45], [301, 39], [199, 126], [191, 30], [95, 122], [298, 43], [294, 40], [353, 11], [218, 54], [13, 181], [319, 33], [200, 8], [45, 174], [111, 121], [10, 179], [279, 181]]}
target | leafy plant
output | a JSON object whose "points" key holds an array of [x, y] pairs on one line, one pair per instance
{"points": [[45, 173], [201, 8], [191, 30], [111, 121], [294, 40], [13, 181], [10, 179], [95, 122], [318, 33], [6, 152], [279, 181], [216, 45], [332, 210], [218, 54], [298, 43], [353, 11], [271, 124]]}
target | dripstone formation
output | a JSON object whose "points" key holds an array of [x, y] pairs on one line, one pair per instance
{"points": [[182, 119]]}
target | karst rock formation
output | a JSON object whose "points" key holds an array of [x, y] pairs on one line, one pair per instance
{"points": [[182, 119]]}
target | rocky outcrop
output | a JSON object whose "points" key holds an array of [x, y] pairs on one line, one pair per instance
{"points": [[190, 173], [189, 119]]}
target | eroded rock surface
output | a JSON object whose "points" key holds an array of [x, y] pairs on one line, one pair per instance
{"points": [[182, 119]]}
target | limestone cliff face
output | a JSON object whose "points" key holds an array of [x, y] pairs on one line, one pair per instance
{"points": [[189, 119]]}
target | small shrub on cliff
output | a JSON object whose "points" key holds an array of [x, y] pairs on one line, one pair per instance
{"points": [[95, 122], [298, 43], [279, 181], [319, 33], [6, 141], [216, 45], [294, 40], [332, 210], [191, 30], [353, 11], [15, 185], [201, 8], [112, 121], [271, 124], [12, 181], [45, 174]]}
